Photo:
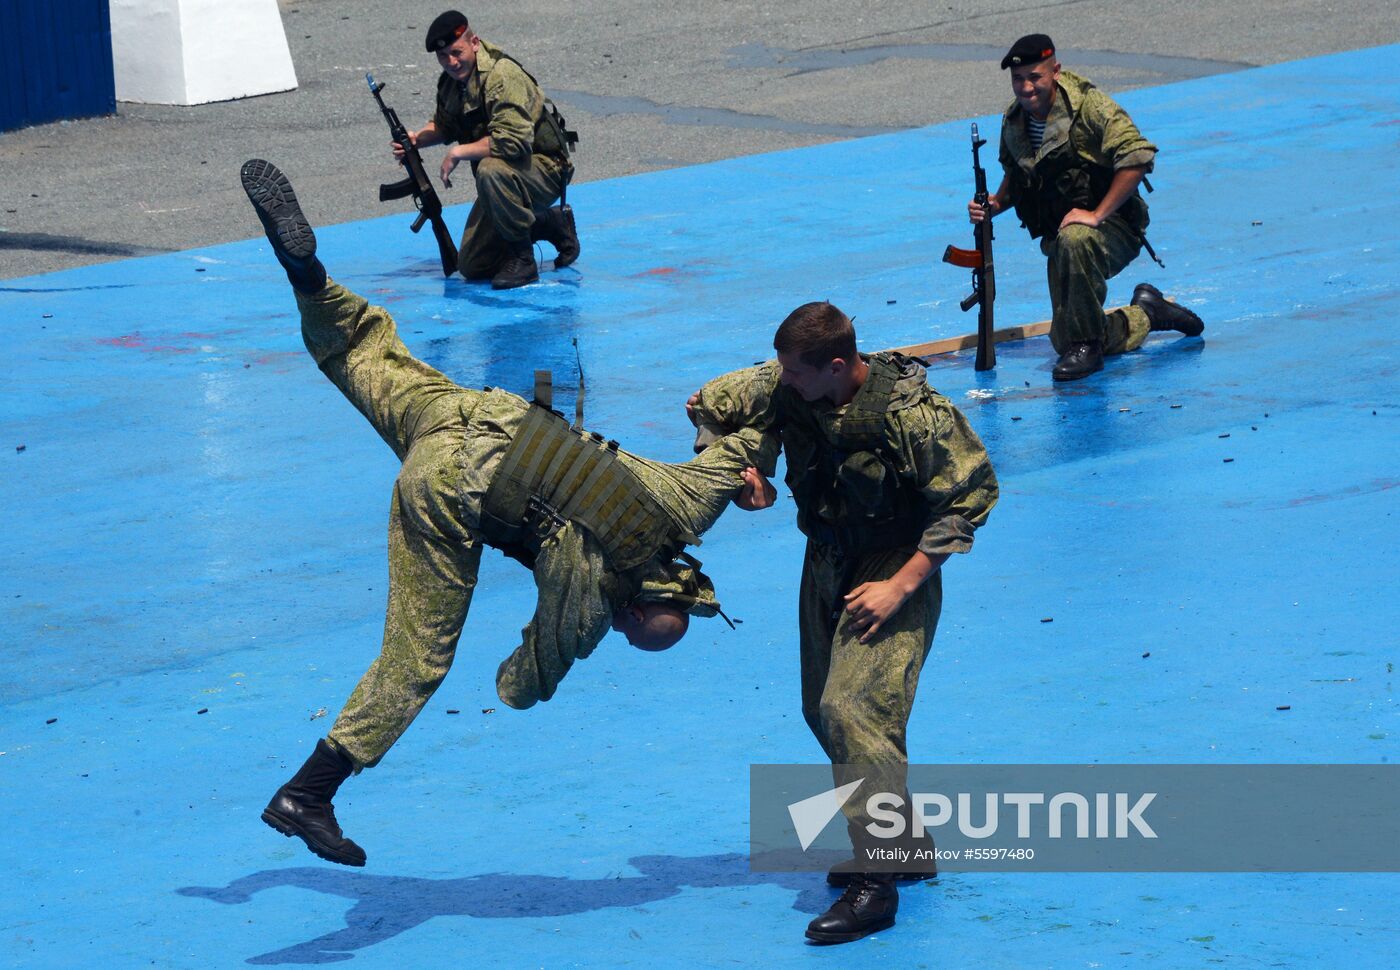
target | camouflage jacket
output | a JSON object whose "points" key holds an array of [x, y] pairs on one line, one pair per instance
{"points": [[1086, 131], [577, 588], [501, 100], [931, 444]]}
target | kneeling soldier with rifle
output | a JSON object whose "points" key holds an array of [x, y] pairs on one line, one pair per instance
{"points": [[519, 150], [1073, 161], [603, 530]]}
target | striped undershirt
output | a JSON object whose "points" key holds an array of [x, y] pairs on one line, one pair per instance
{"points": [[1036, 129]]}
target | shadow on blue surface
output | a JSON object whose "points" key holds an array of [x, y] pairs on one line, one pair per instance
{"points": [[385, 906]]}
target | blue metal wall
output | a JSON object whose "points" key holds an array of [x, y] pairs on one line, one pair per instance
{"points": [[55, 61]]}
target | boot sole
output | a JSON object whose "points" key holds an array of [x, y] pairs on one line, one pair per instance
{"points": [[816, 936], [277, 207], [289, 829]]}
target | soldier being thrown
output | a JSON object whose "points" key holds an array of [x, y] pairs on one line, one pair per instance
{"points": [[1073, 161], [603, 530]]}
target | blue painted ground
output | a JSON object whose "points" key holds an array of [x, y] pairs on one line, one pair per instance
{"points": [[195, 523]]}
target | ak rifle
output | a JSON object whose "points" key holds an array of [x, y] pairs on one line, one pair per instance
{"points": [[979, 260], [416, 183]]}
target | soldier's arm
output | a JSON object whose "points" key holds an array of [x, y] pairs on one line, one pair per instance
{"points": [[996, 203], [747, 447], [1121, 145], [944, 456], [572, 614], [871, 604], [739, 399], [425, 136], [511, 127], [1124, 184], [955, 476]]}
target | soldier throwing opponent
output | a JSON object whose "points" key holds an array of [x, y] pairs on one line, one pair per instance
{"points": [[889, 481], [1073, 161], [603, 530]]}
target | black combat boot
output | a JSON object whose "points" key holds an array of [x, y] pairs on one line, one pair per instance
{"points": [[867, 906], [293, 242], [302, 807], [1162, 314], [1080, 360], [517, 269], [556, 226]]}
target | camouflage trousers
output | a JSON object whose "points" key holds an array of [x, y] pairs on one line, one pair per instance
{"points": [[1081, 262], [508, 194], [434, 551], [857, 697]]}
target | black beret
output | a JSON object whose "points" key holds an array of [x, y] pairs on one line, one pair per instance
{"points": [[445, 30], [1030, 49]]}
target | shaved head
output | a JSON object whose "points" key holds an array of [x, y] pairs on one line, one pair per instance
{"points": [[651, 626]]}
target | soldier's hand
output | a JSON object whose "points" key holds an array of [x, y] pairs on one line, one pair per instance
{"points": [[449, 164], [870, 604], [690, 404], [398, 149], [1081, 217], [758, 492]]}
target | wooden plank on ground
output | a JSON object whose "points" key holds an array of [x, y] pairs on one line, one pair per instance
{"points": [[967, 341]]}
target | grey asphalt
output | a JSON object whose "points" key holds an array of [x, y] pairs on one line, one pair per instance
{"points": [[649, 84]]}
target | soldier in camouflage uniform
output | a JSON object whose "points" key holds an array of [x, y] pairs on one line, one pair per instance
{"points": [[1073, 161], [889, 481], [519, 152], [603, 530]]}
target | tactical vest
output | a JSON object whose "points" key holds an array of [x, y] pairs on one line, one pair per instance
{"points": [[1064, 179], [848, 491], [552, 474]]}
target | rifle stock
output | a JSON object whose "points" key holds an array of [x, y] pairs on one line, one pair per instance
{"points": [[416, 183]]}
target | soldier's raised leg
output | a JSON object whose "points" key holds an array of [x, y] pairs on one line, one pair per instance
{"points": [[433, 556]]}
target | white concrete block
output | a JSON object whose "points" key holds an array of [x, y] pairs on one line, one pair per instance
{"points": [[198, 51]]}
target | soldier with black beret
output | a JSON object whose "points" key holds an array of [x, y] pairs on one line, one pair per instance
{"points": [[492, 113], [1073, 161]]}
